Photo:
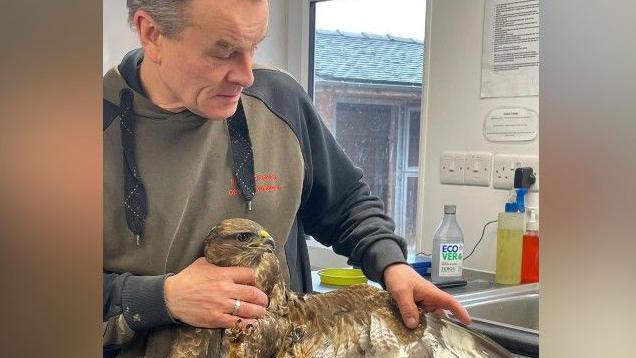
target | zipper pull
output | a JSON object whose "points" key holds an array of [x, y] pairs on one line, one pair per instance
{"points": [[249, 205], [137, 237]]}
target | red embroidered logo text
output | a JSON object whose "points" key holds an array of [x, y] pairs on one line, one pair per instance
{"points": [[264, 183]]}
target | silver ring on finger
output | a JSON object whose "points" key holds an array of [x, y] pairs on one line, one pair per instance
{"points": [[237, 306]]}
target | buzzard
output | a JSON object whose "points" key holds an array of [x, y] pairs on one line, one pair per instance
{"points": [[357, 321]]}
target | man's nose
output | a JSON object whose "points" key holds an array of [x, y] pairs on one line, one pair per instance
{"points": [[241, 72]]}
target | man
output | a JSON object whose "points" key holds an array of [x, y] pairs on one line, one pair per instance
{"points": [[194, 134]]}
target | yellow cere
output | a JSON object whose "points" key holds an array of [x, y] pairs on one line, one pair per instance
{"points": [[263, 234]]}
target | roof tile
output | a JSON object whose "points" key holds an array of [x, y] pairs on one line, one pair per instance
{"points": [[368, 58]]}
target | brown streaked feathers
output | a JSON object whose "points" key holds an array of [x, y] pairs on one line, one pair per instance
{"points": [[357, 321]]}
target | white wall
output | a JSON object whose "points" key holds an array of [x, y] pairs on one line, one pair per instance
{"points": [[273, 50], [455, 114], [298, 40], [118, 38]]}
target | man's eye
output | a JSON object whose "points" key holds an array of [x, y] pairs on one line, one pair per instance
{"points": [[221, 55], [244, 237]]}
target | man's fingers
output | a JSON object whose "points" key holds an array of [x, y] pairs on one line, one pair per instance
{"points": [[404, 299], [246, 310], [451, 304], [462, 314], [440, 313], [242, 275], [200, 261], [250, 294], [448, 302]]}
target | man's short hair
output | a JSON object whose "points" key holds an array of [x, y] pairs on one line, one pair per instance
{"points": [[169, 14]]}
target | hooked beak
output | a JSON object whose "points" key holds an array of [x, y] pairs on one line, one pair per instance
{"points": [[271, 243], [266, 241]]}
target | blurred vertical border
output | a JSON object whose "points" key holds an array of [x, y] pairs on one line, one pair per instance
{"points": [[588, 161], [50, 178]]}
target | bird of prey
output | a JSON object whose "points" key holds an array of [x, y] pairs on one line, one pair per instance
{"points": [[357, 321]]}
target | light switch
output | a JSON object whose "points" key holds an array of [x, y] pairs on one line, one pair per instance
{"points": [[478, 169], [452, 167]]}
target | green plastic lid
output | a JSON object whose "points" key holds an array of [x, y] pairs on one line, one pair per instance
{"points": [[341, 276]]}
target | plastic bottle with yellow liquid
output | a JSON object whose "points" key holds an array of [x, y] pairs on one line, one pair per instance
{"points": [[510, 230]]}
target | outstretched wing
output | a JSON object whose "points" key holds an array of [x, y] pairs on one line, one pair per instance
{"points": [[433, 338], [364, 321], [449, 339]]}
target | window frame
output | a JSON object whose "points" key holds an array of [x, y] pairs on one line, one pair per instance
{"points": [[307, 69], [403, 170], [310, 48]]}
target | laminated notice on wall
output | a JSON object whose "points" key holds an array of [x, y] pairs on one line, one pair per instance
{"points": [[510, 57], [511, 124]]}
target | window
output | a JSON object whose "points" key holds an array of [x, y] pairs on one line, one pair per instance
{"points": [[366, 61]]}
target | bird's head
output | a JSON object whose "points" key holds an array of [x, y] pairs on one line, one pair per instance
{"points": [[238, 242]]}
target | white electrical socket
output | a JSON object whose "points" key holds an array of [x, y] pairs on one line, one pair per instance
{"points": [[477, 169], [503, 171], [452, 167]]}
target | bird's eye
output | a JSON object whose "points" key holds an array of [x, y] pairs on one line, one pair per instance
{"points": [[244, 237]]}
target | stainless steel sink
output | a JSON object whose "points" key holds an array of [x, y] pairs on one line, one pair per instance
{"points": [[509, 315], [520, 311]]}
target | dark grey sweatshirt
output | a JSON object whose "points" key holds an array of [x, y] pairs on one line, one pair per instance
{"points": [[306, 185]]}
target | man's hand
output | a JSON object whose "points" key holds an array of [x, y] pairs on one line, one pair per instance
{"points": [[203, 295], [407, 288]]}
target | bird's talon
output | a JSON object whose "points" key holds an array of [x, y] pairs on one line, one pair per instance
{"points": [[236, 333]]}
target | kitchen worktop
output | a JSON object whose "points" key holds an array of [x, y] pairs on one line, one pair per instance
{"points": [[477, 281]]}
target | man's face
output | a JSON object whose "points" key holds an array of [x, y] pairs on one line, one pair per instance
{"points": [[209, 63]]}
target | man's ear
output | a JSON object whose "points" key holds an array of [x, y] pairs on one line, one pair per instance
{"points": [[149, 36]]}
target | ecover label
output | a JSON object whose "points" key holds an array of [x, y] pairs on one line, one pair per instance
{"points": [[451, 257]]}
